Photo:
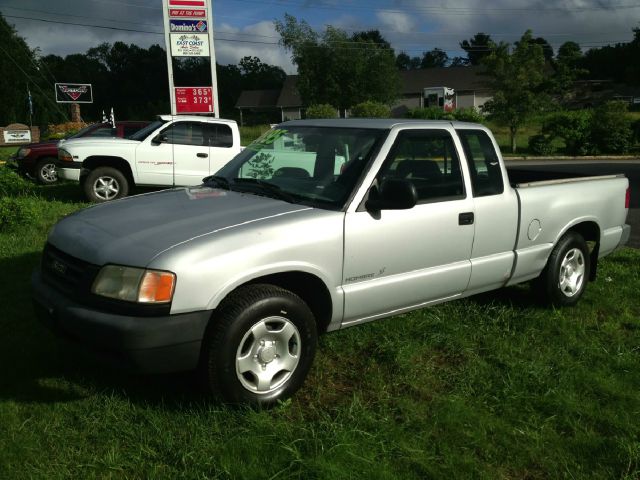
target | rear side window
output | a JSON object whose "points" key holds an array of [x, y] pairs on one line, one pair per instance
{"points": [[428, 159], [484, 166], [185, 133], [218, 135]]}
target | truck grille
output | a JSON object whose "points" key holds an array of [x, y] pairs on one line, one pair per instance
{"points": [[65, 273]]}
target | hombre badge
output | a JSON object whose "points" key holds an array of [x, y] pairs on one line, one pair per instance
{"points": [[190, 45]]}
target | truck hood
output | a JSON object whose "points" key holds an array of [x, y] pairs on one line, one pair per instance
{"points": [[134, 230], [97, 142]]}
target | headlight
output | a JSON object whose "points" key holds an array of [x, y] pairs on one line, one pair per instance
{"points": [[64, 155], [134, 284], [23, 152]]}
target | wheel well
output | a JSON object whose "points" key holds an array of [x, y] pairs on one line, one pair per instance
{"points": [[590, 231], [91, 163], [309, 288]]}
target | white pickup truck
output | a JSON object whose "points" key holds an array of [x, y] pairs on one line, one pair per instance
{"points": [[316, 226], [170, 151]]}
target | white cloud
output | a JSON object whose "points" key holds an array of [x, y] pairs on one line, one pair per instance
{"points": [[395, 20]]}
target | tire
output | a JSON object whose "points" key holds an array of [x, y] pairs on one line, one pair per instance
{"points": [[564, 278], [259, 346], [104, 184], [45, 171]]}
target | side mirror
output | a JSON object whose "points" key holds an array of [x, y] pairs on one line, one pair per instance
{"points": [[392, 194], [158, 139]]}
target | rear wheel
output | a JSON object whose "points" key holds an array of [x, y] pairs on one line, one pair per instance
{"points": [[260, 346], [564, 279], [104, 184], [45, 171]]}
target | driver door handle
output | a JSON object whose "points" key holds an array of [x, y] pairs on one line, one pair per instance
{"points": [[202, 155], [465, 218]]}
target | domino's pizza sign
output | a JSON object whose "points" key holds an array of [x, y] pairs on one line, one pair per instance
{"points": [[187, 26]]}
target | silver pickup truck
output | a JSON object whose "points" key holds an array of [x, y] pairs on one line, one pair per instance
{"points": [[316, 226]]}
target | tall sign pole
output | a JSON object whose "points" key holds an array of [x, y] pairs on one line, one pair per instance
{"points": [[167, 44], [188, 32]]}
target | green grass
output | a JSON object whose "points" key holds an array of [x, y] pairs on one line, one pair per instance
{"points": [[6, 152], [250, 133], [494, 386]]}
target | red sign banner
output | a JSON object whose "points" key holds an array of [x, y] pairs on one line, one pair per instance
{"points": [[187, 13], [194, 99], [186, 3]]}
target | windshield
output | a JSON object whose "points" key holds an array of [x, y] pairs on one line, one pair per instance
{"points": [[316, 166], [143, 133]]}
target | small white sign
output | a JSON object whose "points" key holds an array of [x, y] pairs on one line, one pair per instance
{"points": [[189, 44], [17, 136]]}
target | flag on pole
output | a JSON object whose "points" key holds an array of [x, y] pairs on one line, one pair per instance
{"points": [[30, 101], [112, 119], [104, 117]]}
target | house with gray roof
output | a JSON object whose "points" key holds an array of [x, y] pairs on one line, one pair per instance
{"points": [[468, 83]]}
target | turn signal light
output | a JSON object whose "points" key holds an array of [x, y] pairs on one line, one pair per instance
{"points": [[64, 155], [156, 287]]}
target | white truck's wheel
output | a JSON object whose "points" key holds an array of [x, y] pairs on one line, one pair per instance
{"points": [[104, 184], [564, 279], [260, 346]]}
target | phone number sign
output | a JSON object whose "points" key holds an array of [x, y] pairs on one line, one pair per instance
{"points": [[194, 99]]}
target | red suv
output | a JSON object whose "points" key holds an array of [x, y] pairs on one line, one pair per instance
{"points": [[38, 159]]}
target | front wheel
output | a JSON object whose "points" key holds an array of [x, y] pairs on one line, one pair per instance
{"points": [[104, 184], [260, 346], [45, 171], [564, 279]]}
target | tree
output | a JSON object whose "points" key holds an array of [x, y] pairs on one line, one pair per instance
{"points": [[18, 64], [434, 58], [517, 80], [477, 47], [405, 62], [567, 70], [459, 62], [336, 69], [616, 62]]}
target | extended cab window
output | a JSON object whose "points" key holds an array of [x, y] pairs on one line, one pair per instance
{"points": [[184, 133], [484, 166], [427, 158], [218, 135]]}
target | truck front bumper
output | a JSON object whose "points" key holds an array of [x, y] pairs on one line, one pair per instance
{"points": [[161, 344], [68, 173]]}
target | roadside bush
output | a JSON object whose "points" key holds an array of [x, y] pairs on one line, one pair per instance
{"points": [[18, 211], [611, 128], [471, 114], [541, 145], [574, 128], [371, 110], [12, 184], [322, 110], [61, 130], [430, 113]]}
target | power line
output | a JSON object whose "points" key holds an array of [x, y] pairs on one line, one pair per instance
{"points": [[449, 10]]}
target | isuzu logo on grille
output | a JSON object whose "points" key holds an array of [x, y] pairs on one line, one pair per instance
{"points": [[58, 267]]}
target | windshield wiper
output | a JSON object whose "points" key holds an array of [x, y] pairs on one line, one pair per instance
{"points": [[268, 189], [218, 181]]}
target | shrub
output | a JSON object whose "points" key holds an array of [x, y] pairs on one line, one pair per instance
{"points": [[611, 128], [371, 110], [12, 184], [430, 113], [62, 130], [471, 114], [541, 145], [17, 211], [322, 110], [574, 128]]}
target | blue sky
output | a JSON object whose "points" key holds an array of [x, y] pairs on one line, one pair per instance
{"points": [[245, 27]]}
